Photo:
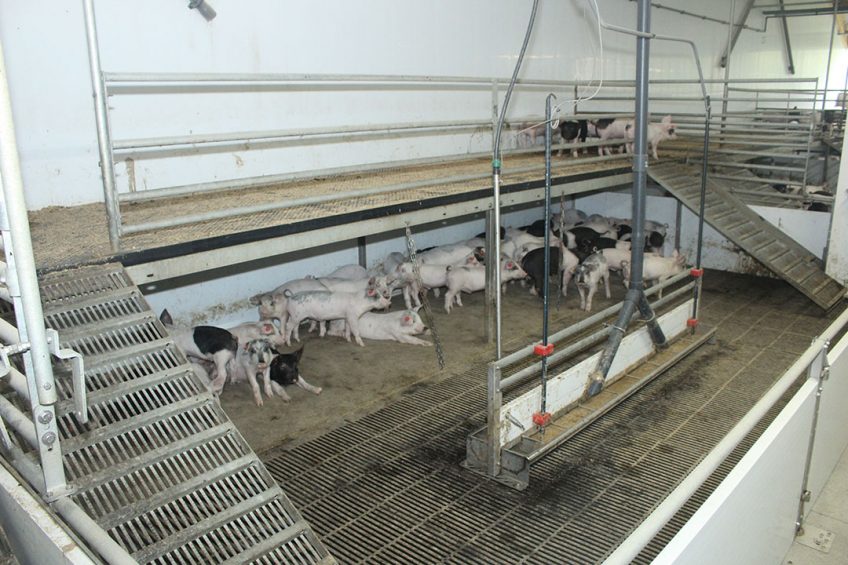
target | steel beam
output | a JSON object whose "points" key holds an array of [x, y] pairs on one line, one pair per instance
{"points": [[737, 29], [787, 44]]}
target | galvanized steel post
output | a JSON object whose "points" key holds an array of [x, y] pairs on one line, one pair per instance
{"points": [[22, 281], [104, 135]]}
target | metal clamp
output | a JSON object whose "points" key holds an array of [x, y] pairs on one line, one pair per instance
{"points": [[7, 350], [77, 370]]}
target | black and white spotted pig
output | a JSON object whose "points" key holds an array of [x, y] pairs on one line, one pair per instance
{"points": [[284, 371], [254, 358], [208, 343], [587, 275]]}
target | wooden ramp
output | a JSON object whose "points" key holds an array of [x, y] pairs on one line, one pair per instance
{"points": [[736, 221]]}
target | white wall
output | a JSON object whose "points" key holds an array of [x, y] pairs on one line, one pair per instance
{"points": [[45, 49]]}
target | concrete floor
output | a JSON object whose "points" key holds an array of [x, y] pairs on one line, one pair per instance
{"points": [[830, 513]]}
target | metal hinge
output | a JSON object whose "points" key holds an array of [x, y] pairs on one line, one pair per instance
{"points": [[77, 370]]}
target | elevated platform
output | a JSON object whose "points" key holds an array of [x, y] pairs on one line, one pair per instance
{"points": [[73, 236], [159, 465]]}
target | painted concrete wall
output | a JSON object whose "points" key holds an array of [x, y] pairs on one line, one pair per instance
{"points": [[45, 49]]}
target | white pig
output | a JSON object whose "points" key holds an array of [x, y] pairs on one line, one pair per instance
{"points": [[471, 279], [656, 133], [615, 257], [350, 272], [656, 268], [325, 305], [263, 329], [401, 326], [447, 254]]}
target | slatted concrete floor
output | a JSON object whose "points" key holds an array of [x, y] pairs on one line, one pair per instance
{"points": [[159, 465], [388, 488]]}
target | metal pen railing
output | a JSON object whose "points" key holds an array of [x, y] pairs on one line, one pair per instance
{"points": [[503, 377], [114, 150], [34, 448]]}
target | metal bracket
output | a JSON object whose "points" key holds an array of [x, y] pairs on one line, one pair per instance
{"points": [[77, 369]]}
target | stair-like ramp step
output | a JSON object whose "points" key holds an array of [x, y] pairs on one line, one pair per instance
{"points": [[159, 465], [737, 222]]}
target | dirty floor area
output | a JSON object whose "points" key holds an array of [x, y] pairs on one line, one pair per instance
{"points": [[373, 463]]}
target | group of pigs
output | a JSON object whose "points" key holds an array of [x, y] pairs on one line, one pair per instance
{"points": [[347, 302], [605, 129]]}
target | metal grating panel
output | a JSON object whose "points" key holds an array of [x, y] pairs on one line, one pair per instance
{"points": [[68, 286], [748, 230], [159, 465], [388, 488]]}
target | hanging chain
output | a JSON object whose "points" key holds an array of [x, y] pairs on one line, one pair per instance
{"points": [[428, 314]]}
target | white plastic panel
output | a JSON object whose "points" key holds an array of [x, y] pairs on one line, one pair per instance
{"points": [[567, 387], [750, 518], [832, 428]]}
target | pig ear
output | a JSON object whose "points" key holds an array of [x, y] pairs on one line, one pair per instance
{"points": [[416, 309], [371, 292]]}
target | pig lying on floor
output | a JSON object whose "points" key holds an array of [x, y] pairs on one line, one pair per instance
{"points": [[401, 326]]}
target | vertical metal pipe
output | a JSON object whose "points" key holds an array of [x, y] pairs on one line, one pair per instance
{"points": [[496, 182], [702, 205], [635, 297], [727, 67], [704, 173], [826, 85], [640, 153], [104, 135], [678, 218], [547, 263], [493, 420], [493, 247], [818, 370], [23, 286], [361, 252]]}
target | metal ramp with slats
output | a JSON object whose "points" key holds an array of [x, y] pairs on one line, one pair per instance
{"points": [[745, 228], [159, 465]]}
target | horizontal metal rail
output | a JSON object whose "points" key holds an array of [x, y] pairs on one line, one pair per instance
{"points": [[757, 154], [800, 197], [570, 350], [733, 164], [18, 421], [573, 329], [127, 147], [118, 77], [642, 536]]}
